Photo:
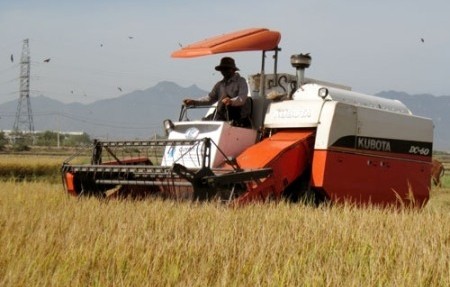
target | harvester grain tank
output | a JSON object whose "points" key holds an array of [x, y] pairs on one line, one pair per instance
{"points": [[309, 138]]}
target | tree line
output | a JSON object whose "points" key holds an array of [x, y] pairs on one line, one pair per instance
{"points": [[24, 141]]}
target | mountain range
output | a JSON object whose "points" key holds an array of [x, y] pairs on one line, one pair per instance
{"points": [[139, 115]]}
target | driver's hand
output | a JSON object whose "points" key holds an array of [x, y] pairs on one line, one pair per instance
{"points": [[226, 101], [188, 102]]}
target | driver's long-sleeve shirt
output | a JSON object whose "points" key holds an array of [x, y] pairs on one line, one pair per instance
{"points": [[236, 88]]}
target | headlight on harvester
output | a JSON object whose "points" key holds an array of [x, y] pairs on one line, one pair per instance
{"points": [[168, 126], [323, 93]]}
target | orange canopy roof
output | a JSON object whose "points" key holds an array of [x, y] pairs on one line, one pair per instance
{"points": [[254, 39]]}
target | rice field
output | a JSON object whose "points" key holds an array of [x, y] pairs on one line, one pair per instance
{"points": [[50, 239], [30, 167]]}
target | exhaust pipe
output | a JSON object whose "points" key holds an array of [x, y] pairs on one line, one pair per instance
{"points": [[300, 62]]}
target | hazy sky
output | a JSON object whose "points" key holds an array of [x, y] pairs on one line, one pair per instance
{"points": [[369, 45]]}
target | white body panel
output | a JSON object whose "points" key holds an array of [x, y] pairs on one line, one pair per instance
{"points": [[370, 120], [310, 92], [231, 140], [293, 114], [374, 129]]}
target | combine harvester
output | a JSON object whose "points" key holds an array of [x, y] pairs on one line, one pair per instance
{"points": [[308, 138]]}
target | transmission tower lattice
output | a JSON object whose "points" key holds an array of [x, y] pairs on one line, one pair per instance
{"points": [[24, 115]]}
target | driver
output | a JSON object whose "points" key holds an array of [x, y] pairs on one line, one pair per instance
{"points": [[230, 93]]}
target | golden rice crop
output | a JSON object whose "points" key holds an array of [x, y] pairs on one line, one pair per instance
{"points": [[31, 167], [50, 239]]}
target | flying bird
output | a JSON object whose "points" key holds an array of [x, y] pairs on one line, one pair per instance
{"points": [[12, 58], [422, 40], [47, 60], [119, 88], [101, 45], [130, 37]]}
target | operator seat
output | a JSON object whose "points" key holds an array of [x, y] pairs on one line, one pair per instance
{"points": [[245, 120]]}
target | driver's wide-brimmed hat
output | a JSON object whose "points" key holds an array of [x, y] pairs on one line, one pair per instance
{"points": [[226, 63]]}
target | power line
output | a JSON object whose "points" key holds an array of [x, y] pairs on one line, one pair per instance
{"points": [[9, 68], [94, 122], [97, 123], [9, 81], [91, 122]]}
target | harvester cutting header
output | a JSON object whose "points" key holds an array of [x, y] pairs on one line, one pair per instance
{"points": [[304, 138]]}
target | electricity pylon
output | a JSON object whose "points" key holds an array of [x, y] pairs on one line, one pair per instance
{"points": [[24, 116]]}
